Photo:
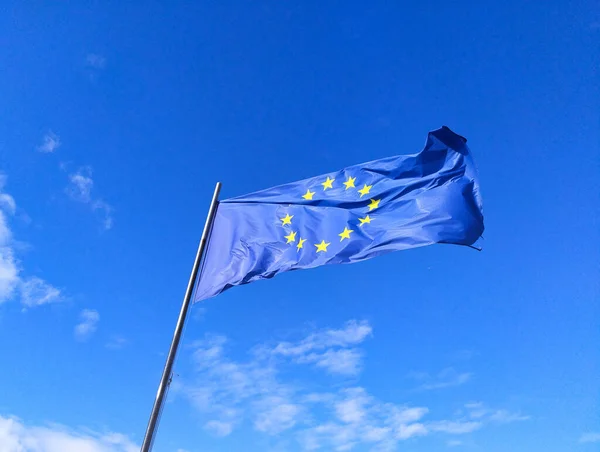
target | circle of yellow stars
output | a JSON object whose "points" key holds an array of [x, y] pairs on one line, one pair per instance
{"points": [[345, 234]]}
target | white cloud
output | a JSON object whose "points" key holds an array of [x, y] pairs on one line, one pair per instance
{"points": [[328, 349], [318, 398], [36, 292], [352, 408], [344, 362], [9, 273], [233, 391], [230, 392], [373, 434], [81, 185], [16, 436], [359, 418], [80, 190], [50, 143], [352, 334], [331, 436], [505, 417], [87, 325], [105, 211], [5, 233], [478, 411], [320, 416], [95, 61], [7, 203], [116, 342], [454, 443], [219, 428], [408, 431], [591, 437], [275, 414], [447, 378], [477, 416], [455, 427], [408, 415]]}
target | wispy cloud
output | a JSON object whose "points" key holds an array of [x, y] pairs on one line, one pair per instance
{"points": [[116, 342], [454, 443], [105, 211], [219, 428], [353, 333], [591, 437], [478, 411], [357, 418], [456, 427], [7, 203], [50, 143], [9, 270], [7, 207], [474, 417], [33, 291], [80, 189], [343, 362], [17, 436], [329, 349], [36, 292], [351, 409], [230, 393], [95, 61], [447, 378], [81, 184], [88, 324], [506, 417], [275, 414]]}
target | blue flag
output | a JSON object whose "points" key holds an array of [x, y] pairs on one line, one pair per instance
{"points": [[347, 216]]}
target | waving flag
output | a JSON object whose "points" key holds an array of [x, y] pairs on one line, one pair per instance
{"points": [[347, 216]]}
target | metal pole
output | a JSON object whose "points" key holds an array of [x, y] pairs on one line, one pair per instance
{"points": [[168, 370]]}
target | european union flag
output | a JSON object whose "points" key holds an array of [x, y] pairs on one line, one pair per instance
{"points": [[347, 216]]}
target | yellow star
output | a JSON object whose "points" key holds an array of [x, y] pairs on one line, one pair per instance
{"points": [[374, 204], [364, 220], [322, 246], [366, 189], [287, 219], [350, 182], [345, 234], [308, 195], [327, 183], [300, 243], [291, 237]]}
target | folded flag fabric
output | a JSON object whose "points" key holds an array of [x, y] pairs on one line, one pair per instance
{"points": [[347, 216]]}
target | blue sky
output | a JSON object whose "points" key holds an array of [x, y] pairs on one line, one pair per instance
{"points": [[116, 122]]}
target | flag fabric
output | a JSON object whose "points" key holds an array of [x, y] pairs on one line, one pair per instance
{"points": [[346, 216]]}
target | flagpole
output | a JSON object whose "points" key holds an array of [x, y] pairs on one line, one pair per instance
{"points": [[165, 380]]}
